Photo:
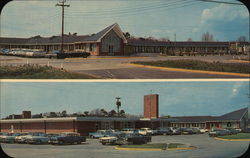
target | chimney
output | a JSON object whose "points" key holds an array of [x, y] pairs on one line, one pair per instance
{"points": [[26, 114]]}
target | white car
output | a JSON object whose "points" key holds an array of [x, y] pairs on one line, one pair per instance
{"points": [[108, 140], [203, 130], [145, 131]]}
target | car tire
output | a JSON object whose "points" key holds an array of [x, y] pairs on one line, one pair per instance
{"points": [[60, 142]]}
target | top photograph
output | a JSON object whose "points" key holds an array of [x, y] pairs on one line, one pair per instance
{"points": [[124, 39]]}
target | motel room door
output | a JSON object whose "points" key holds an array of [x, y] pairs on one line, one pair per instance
{"points": [[111, 50]]}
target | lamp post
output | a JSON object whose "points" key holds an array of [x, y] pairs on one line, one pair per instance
{"points": [[118, 104]]}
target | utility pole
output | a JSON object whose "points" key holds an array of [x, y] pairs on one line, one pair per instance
{"points": [[175, 37], [118, 104], [61, 4]]}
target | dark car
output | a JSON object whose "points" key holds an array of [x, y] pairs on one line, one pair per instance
{"points": [[186, 131], [164, 131], [247, 130], [67, 138], [196, 130], [219, 132], [233, 131], [72, 55], [132, 139]]}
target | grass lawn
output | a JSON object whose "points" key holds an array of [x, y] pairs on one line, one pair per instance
{"points": [[38, 72], [154, 146], [237, 136], [200, 65]]}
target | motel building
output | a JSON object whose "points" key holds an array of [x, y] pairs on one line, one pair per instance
{"points": [[84, 125], [111, 42]]}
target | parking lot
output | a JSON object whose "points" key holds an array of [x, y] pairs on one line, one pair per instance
{"points": [[120, 68], [206, 147]]}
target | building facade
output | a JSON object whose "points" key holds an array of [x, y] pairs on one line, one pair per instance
{"points": [[235, 119], [112, 42]]}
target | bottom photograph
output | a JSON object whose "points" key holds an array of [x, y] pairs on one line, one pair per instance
{"points": [[114, 118]]}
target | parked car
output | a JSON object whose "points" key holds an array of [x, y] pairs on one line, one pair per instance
{"points": [[196, 130], [219, 132], [133, 139], [145, 131], [37, 139], [247, 130], [203, 130], [129, 130], [68, 138], [233, 131], [23, 137], [164, 131], [186, 131], [11, 137], [99, 134], [123, 139], [176, 131], [3, 135], [111, 139]]}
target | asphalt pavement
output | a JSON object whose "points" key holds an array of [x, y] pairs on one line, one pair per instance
{"points": [[207, 147], [120, 67]]}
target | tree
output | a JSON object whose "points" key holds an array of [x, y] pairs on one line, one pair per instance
{"points": [[104, 112], [127, 35], [242, 39], [164, 39], [112, 113], [189, 39], [86, 113], [64, 113], [96, 112], [207, 37], [122, 113]]}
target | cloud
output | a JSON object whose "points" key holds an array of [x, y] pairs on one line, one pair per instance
{"points": [[224, 21], [235, 89]]}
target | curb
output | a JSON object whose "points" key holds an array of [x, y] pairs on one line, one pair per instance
{"points": [[232, 139], [193, 71], [154, 149], [239, 61]]}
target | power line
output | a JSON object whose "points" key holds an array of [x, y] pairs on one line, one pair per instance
{"points": [[223, 2]]}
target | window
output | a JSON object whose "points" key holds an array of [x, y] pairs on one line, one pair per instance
{"points": [[229, 124]]}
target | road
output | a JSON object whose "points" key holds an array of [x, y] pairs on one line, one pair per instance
{"points": [[207, 147], [120, 68]]}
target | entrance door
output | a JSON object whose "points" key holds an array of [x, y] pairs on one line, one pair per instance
{"points": [[111, 52]]}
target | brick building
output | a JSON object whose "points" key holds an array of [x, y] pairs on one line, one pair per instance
{"points": [[112, 42], [84, 125], [235, 119]]}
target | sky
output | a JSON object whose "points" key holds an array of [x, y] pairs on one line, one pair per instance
{"points": [[141, 18], [175, 98]]}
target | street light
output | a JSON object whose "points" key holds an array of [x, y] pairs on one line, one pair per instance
{"points": [[118, 104]]}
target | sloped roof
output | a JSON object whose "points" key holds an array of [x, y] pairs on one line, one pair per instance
{"points": [[146, 42], [231, 116], [98, 36], [13, 40], [235, 115]]}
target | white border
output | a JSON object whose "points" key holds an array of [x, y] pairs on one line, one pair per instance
{"points": [[124, 80]]}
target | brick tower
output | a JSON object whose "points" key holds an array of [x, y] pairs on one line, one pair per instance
{"points": [[151, 108]]}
